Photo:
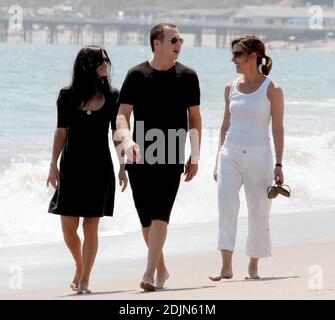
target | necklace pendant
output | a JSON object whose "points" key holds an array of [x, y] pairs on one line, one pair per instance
{"points": [[89, 112]]}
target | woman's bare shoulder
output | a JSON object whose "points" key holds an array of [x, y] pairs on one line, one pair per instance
{"points": [[274, 90]]}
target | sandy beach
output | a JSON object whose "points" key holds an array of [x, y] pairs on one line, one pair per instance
{"points": [[287, 275], [303, 270]]}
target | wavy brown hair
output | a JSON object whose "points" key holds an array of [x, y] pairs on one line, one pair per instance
{"points": [[249, 44]]}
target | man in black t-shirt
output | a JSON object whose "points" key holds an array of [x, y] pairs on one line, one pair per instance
{"points": [[165, 97]]}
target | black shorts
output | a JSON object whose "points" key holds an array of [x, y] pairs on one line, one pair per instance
{"points": [[154, 193]]}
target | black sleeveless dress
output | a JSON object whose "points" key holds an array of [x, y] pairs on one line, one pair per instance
{"points": [[87, 180]]}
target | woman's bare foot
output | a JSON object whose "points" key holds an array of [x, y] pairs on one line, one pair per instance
{"points": [[75, 281], [74, 286], [147, 283], [147, 286], [83, 288], [161, 278], [252, 274], [226, 273]]}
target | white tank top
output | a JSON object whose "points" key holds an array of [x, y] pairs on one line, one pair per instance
{"points": [[250, 115]]}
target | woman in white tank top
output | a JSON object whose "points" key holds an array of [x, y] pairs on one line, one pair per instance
{"points": [[244, 155]]}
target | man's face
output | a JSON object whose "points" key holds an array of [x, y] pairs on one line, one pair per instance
{"points": [[170, 46]]}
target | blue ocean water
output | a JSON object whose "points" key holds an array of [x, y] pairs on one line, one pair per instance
{"points": [[32, 75]]}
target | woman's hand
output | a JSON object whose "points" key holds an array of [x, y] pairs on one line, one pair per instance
{"points": [[123, 179], [53, 177], [278, 174]]}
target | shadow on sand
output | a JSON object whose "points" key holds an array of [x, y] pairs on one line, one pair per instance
{"points": [[95, 293], [258, 280], [177, 289]]}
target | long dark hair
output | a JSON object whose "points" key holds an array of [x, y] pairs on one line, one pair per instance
{"points": [[249, 44], [85, 81]]}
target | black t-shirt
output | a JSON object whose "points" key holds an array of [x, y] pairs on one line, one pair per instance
{"points": [[160, 101]]}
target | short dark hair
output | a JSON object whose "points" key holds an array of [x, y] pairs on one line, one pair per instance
{"points": [[157, 32]]}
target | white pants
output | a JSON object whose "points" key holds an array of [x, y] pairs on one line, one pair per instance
{"points": [[252, 167]]}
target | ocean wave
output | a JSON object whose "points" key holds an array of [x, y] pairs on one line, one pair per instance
{"points": [[309, 168], [328, 102]]}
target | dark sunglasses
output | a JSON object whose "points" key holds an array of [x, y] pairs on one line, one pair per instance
{"points": [[237, 54], [174, 40], [104, 59]]}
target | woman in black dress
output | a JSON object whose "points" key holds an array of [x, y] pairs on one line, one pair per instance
{"points": [[85, 182]]}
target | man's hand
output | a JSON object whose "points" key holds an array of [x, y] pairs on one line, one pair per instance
{"points": [[132, 150], [123, 179], [191, 169]]}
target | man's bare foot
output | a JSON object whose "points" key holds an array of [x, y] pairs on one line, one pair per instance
{"points": [[147, 287], [225, 274], [252, 274], [75, 281], [83, 288], [160, 279]]}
